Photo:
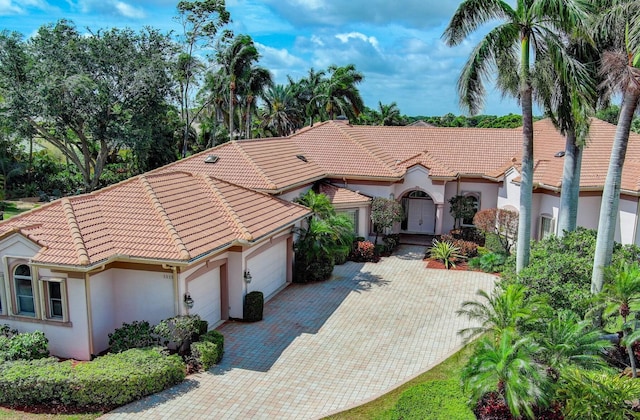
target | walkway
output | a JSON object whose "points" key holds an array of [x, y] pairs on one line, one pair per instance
{"points": [[327, 346]]}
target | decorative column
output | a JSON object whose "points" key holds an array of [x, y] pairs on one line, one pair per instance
{"points": [[439, 217]]}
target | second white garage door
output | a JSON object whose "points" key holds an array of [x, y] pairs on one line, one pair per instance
{"points": [[268, 269], [205, 291]]}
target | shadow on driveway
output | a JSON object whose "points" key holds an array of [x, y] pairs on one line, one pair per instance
{"points": [[298, 309]]}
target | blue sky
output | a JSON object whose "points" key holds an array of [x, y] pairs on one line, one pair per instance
{"points": [[396, 45]]}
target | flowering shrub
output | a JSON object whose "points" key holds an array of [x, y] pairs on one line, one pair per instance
{"points": [[465, 248], [364, 251]]}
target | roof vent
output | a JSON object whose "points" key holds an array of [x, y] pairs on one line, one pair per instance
{"points": [[211, 159], [559, 154], [302, 158]]}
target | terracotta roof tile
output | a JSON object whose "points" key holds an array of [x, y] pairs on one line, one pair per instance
{"points": [[339, 195], [165, 216]]}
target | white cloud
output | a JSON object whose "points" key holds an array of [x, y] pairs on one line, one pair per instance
{"points": [[357, 35], [7, 7], [129, 11]]}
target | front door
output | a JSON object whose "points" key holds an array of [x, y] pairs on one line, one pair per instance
{"points": [[421, 215]]}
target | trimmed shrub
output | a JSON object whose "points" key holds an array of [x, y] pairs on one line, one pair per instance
{"points": [[23, 346], [7, 331], [469, 233], [493, 244], [489, 263], [434, 400], [364, 251], [216, 338], [179, 332], [253, 306], [138, 334], [559, 270], [108, 381], [391, 242], [204, 354]]}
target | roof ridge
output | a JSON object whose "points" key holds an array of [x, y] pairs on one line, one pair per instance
{"points": [[432, 158], [367, 149], [171, 230], [76, 235], [235, 219], [257, 167]]}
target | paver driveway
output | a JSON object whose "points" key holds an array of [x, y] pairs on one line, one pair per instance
{"points": [[327, 346]]}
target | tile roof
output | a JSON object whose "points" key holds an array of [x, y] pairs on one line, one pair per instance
{"points": [[260, 164], [595, 158], [173, 216], [339, 195]]}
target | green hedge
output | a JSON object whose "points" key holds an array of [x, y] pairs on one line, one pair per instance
{"points": [[23, 346], [205, 354], [216, 338], [108, 381]]}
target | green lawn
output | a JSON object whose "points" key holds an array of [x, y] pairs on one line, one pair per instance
{"points": [[435, 394], [6, 414], [11, 209]]}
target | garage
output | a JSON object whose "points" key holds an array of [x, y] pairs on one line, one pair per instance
{"points": [[268, 269], [205, 290]]}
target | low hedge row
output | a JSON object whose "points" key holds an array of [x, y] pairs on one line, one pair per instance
{"points": [[108, 381]]}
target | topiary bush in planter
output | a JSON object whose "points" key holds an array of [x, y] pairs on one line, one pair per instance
{"points": [[138, 334], [253, 306]]}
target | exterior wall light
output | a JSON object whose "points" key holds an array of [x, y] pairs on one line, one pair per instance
{"points": [[247, 276], [188, 300]]}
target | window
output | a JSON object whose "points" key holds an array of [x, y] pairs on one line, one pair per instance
{"points": [[24, 290], [474, 199], [54, 299], [351, 215], [547, 226]]}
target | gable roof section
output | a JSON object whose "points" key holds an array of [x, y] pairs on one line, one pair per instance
{"points": [[343, 196], [173, 216], [260, 164]]}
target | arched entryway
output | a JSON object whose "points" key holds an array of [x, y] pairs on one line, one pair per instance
{"points": [[420, 213]]}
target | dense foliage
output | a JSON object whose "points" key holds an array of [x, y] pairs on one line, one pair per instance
{"points": [[22, 346], [108, 381], [138, 334]]}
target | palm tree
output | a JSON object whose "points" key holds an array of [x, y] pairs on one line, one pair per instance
{"points": [[570, 106], [338, 92], [304, 92], [254, 84], [508, 368], [618, 293], [503, 310], [570, 341], [280, 116], [235, 59], [529, 31], [621, 69], [389, 114]]}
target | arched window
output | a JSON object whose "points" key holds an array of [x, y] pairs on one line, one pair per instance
{"points": [[24, 290]]}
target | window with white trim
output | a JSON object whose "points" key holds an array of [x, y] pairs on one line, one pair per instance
{"points": [[55, 298], [23, 284], [547, 226]]}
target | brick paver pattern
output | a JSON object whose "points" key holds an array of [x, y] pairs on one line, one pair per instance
{"points": [[327, 346]]}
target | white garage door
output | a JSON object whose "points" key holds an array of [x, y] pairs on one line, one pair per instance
{"points": [[205, 291], [268, 269]]}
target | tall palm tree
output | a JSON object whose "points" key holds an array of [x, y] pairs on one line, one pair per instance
{"points": [[339, 93], [280, 115], [620, 23], [304, 92], [570, 104], [503, 310], [529, 31], [254, 84], [509, 368], [239, 54]]}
